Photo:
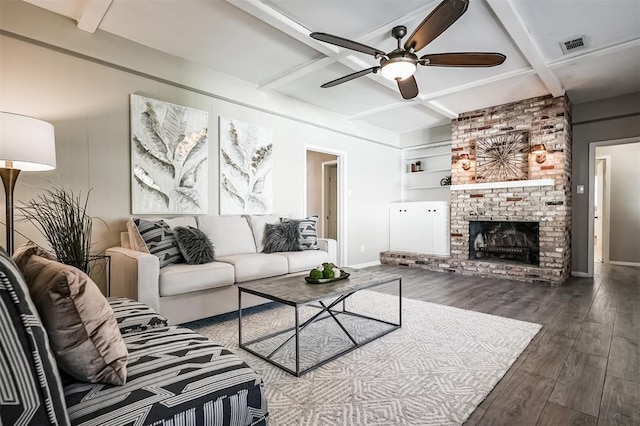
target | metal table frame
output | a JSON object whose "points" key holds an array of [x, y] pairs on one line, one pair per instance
{"points": [[324, 309]]}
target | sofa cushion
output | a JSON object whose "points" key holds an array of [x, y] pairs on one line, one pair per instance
{"points": [[283, 236], [181, 221], [133, 316], [160, 240], [255, 266], [257, 223], [80, 323], [176, 377], [230, 235], [305, 260], [182, 278], [194, 245], [28, 364]]}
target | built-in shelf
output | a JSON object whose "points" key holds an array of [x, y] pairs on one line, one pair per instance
{"points": [[430, 171], [435, 165], [428, 187], [419, 157], [511, 184]]}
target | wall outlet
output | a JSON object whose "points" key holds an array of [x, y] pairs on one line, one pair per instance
{"points": [[580, 189], [362, 249]]}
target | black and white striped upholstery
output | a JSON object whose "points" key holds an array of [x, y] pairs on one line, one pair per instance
{"points": [[30, 386], [133, 316], [175, 377]]}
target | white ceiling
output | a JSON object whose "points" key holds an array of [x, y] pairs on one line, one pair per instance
{"points": [[267, 43]]}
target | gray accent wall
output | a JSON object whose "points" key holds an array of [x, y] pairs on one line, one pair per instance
{"points": [[599, 121], [624, 204]]}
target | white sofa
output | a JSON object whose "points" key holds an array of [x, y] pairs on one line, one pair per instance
{"points": [[182, 292]]}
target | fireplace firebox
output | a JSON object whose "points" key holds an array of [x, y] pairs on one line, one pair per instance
{"points": [[516, 242]]}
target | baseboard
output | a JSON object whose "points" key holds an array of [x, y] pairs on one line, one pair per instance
{"points": [[615, 262], [364, 265], [580, 274]]}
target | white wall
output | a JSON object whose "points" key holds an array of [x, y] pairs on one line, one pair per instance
{"points": [[88, 103], [624, 204], [423, 136]]}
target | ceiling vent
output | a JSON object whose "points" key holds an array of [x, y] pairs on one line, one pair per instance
{"points": [[573, 44]]}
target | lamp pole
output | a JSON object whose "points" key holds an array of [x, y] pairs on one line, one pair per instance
{"points": [[9, 177]]}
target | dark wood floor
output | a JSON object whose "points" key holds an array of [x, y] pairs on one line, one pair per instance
{"points": [[583, 368]]}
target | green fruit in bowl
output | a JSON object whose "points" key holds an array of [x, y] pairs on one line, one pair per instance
{"points": [[316, 274], [328, 273]]}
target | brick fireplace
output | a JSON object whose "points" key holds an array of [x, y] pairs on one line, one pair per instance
{"points": [[541, 200]]}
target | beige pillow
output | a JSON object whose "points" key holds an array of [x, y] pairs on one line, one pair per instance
{"points": [[136, 242], [28, 249], [81, 325]]}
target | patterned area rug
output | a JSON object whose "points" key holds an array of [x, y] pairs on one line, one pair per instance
{"points": [[435, 370]]}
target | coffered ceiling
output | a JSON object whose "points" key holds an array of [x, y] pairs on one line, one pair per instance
{"points": [[267, 43]]}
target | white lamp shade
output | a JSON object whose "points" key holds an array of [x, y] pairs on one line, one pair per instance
{"points": [[27, 142]]}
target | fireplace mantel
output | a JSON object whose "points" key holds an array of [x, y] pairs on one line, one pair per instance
{"points": [[512, 184]]}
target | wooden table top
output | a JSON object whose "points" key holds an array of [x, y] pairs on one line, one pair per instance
{"points": [[294, 290]]}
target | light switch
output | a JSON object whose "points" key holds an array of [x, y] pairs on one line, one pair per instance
{"points": [[580, 189]]}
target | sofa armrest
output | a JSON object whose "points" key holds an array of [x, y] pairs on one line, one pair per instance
{"points": [[135, 275], [331, 247]]}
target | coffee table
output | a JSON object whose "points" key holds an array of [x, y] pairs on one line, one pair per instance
{"points": [[329, 299]]}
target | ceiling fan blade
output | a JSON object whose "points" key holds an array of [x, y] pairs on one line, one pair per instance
{"points": [[347, 44], [350, 77], [408, 87], [463, 59], [441, 18]]}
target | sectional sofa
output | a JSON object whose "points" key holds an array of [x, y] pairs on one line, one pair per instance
{"points": [[182, 292]]}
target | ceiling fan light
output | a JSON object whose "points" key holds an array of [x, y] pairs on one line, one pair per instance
{"points": [[398, 69]]}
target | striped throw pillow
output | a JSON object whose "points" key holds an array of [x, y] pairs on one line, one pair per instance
{"points": [[308, 233], [160, 240]]}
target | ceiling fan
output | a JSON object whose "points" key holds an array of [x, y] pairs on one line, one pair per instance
{"points": [[400, 64]]}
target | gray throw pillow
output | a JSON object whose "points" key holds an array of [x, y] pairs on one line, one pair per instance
{"points": [[195, 246], [160, 240], [281, 237]]}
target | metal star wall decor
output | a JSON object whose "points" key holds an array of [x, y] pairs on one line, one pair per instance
{"points": [[503, 158]]}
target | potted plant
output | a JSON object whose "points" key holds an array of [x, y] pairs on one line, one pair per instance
{"points": [[61, 217]]}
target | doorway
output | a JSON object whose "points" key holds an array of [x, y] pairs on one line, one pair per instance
{"points": [[330, 199], [601, 208], [325, 194], [613, 202]]}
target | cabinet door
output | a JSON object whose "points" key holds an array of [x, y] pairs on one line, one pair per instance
{"points": [[410, 227], [440, 230]]}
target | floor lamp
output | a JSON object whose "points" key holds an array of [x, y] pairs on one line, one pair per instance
{"points": [[27, 144]]}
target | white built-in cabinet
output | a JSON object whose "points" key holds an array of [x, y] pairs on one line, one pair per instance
{"points": [[423, 167], [421, 227]]}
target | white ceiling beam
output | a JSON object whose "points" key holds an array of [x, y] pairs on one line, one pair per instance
{"points": [[277, 20], [296, 73], [517, 29], [427, 99], [93, 13]]}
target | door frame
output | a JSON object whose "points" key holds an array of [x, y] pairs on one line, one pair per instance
{"points": [[592, 180], [341, 159], [323, 202], [606, 203]]}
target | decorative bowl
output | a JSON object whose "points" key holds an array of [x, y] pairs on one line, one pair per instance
{"points": [[343, 275]]}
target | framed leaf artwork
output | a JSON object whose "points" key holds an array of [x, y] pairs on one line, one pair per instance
{"points": [[246, 164], [503, 157], [169, 158]]}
